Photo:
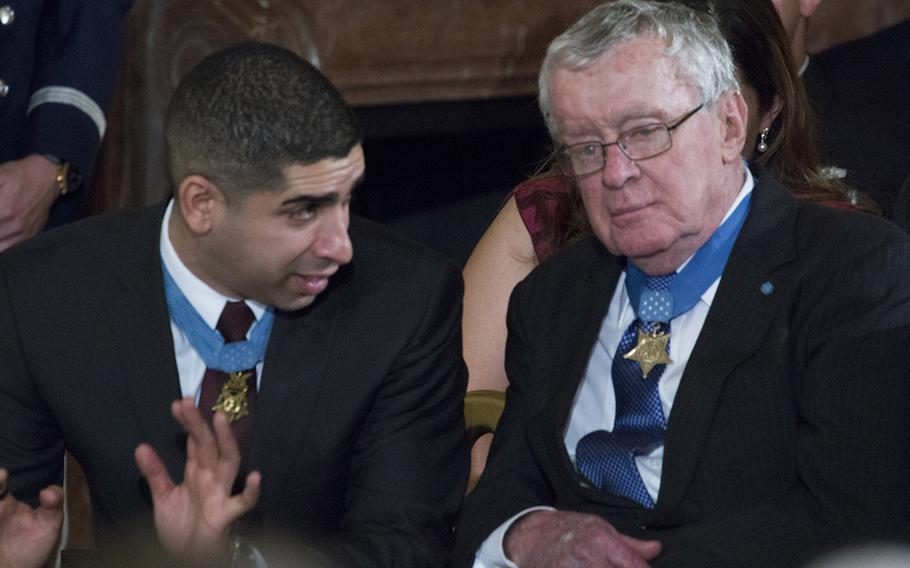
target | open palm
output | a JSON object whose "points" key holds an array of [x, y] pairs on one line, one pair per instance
{"points": [[193, 519], [28, 536]]}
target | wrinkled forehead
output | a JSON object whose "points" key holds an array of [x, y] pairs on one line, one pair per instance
{"points": [[633, 79]]}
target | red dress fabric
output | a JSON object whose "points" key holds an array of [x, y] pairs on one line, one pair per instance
{"points": [[545, 209]]}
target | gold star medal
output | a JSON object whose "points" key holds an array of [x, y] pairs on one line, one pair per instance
{"points": [[232, 399], [651, 349]]}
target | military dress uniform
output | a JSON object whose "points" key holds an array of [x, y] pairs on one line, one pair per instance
{"points": [[58, 69]]}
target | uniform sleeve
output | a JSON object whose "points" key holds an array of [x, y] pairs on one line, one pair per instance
{"points": [[76, 64]]}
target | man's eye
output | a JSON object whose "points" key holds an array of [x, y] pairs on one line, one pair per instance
{"points": [[643, 133], [586, 151], [303, 213]]}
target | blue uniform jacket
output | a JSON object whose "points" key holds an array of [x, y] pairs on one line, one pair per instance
{"points": [[58, 69]]}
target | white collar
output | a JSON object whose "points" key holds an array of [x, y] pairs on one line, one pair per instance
{"points": [[207, 301], [708, 296], [802, 68]]}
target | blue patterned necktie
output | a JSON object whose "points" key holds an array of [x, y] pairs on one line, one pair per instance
{"points": [[607, 459]]}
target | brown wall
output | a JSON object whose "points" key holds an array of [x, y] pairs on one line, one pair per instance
{"points": [[388, 52]]}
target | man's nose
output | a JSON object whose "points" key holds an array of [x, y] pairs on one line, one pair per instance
{"points": [[618, 168], [333, 242]]}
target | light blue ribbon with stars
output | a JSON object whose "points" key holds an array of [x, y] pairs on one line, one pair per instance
{"points": [[208, 343], [705, 267]]}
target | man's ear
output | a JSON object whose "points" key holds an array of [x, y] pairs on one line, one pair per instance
{"points": [[808, 7], [734, 114], [201, 203]]}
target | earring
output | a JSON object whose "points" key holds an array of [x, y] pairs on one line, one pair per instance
{"points": [[763, 140]]}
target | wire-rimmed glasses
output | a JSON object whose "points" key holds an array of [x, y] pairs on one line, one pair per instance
{"points": [[639, 143]]}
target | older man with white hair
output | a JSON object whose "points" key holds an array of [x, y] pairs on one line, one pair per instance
{"points": [[718, 376]]}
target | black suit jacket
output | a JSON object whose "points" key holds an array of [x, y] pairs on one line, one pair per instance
{"points": [[359, 424], [789, 428], [861, 92]]}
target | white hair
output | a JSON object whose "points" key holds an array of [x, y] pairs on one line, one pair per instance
{"points": [[692, 38]]}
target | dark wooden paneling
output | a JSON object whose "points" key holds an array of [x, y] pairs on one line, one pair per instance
{"points": [[404, 51], [381, 55], [377, 53], [839, 21], [163, 39]]}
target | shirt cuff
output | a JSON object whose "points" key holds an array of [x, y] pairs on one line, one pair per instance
{"points": [[245, 555], [257, 557], [491, 553]]}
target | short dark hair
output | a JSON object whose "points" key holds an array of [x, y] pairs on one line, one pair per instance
{"points": [[245, 113]]}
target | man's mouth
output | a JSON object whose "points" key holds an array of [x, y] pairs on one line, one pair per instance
{"points": [[313, 284]]}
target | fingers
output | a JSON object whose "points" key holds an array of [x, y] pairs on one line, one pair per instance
{"points": [[625, 551], [243, 502], [51, 509], [211, 448], [153, 470], [554, 538], [227, 448], [224, 436], [648, 549], [200, 445], [620, 555], [51, 498]]}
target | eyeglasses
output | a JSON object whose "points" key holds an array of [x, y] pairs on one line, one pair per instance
{"points": [[639, 143]]}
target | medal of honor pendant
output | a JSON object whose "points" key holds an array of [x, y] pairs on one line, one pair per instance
{"points": [[232, 400], [651, 350]]}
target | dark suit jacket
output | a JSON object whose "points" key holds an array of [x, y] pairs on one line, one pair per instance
{"points": [[789, 429], [900, 216], [861, 90], [359, 424]]}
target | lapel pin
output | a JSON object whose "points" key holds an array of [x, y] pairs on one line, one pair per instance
{"points": [[767, 288]]}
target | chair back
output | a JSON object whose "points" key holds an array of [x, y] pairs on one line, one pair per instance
{"points": [[482, 409]]}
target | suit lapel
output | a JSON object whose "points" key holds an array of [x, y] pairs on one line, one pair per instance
{"points": [[578, 329], [293, 372], [139, 327], [741, 313]]}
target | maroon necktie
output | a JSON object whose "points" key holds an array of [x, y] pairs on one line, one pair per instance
{"points": [[233, 325]]}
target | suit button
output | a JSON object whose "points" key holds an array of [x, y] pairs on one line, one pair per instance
{"points": [[4, 88], [7, 15]]}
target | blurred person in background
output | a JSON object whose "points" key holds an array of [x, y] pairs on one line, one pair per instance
{"points": [[57, 77]]}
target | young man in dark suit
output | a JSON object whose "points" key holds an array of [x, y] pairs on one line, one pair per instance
{"points": [[718, 376], [324, 351]]}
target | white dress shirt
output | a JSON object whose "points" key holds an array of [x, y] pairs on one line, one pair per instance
{"points": [[594, 407], [209, 304]]}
